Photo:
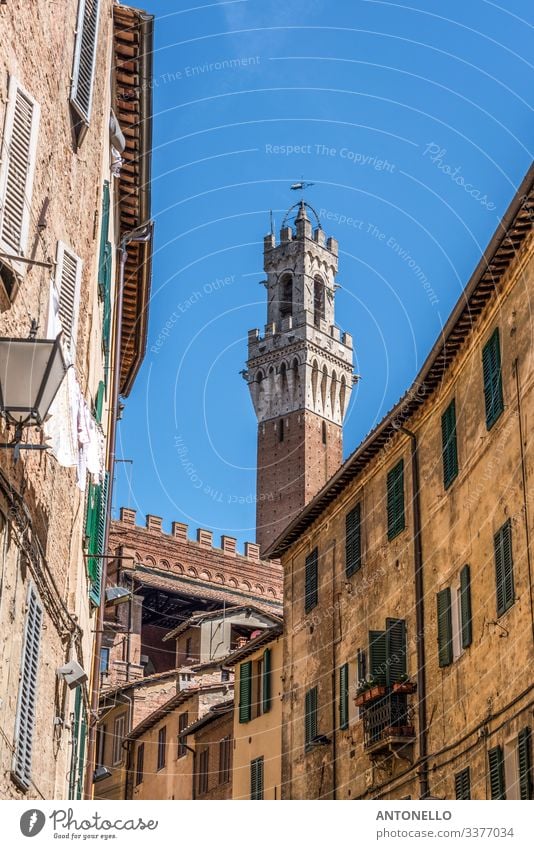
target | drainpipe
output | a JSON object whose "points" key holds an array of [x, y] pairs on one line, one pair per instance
{"points": [[424, 789], [140, 234]]}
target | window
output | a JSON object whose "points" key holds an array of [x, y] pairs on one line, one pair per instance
{"points": [[118, 735], [311, 580], [256, 779], [344, 696], [95, 528], [225, 754], [524, 757], [444, 614], [162, 747], [280, 430], [81, 94], [310, 717], [462, 783], [496, 773], [203, 771], [491, 371], [27, 697], [324, 432], [361, 663], [140, 763], [318, 301], [101, 745], [395, 500], [182, 738], [387, 653], [17, 170], [504, 568], [286, 296], [245, 691], [258, 686], [353, 541], [449, 444], [67, 281], [189, 648], [267, 681], [455, 629], [104, 661]]}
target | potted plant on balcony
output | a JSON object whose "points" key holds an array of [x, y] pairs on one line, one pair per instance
{"points": [[362, 693], [404, 685]]}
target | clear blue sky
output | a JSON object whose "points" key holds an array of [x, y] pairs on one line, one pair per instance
{"points": [[391, 104]]}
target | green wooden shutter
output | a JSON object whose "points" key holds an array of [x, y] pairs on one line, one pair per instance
{"points": [[465, 607], [344, 696], [378, 656], [245, 691], [395, 650], [395, 500], [504, 573], [96, 530], [353, 541], [310, 716], [106, 314], [444, 627], [462, 782], [104, 233], [99, 401], [449, 444], [256, 779], [524, 753], [496, 770], [311, 580], [267, 677], [491, 370]]}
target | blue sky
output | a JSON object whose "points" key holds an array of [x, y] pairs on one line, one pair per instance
{"points": [[385, 107]]}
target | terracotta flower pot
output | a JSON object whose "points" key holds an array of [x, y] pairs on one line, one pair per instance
{"points": [[404, 687]]}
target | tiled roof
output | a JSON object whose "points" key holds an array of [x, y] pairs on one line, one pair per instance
{"points": [[198, 618], [262, 639]]}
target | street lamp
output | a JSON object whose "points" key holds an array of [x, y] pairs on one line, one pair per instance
{"points": [[31, 372]]}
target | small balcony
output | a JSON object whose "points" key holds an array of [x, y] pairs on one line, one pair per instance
{"points": [[387, 723]]}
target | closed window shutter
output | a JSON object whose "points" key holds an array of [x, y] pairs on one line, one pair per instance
{"points": [[104, 232], [462, 781], [245, 691], [344, 696], [81, 94], [106, 306], [491, 369], [311, 581], [99, 401], [444, 627], [17, 169], [95, 529], [256, 779], [361, 663], [465, 607], [27, 697], [310, 716], [266, 689], [395, 500], [496, 771], [395, 650], [353, 542], [524, 756], [377, 656], [504, 573], [68, 281], [449, 444]]}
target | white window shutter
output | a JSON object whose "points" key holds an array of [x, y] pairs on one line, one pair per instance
{"points": [[17, 169], [67, 283], [81, 94], [27, 700]]}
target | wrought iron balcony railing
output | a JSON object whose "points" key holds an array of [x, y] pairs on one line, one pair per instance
{"points": [[387, 719]]}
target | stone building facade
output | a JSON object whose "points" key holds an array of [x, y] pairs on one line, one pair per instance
{"points": [[67, 152], [299, 373], [408, 581]]}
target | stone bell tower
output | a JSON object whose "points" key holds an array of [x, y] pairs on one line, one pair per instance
{"points": [[299, 373]]}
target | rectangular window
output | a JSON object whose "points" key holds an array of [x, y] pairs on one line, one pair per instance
{"points": [[449, 445], [444, 616], [462, 782], [310, 717], [104, 661], [256, 779], [311, 581], [504, 567], [524, 758], [496, 773], [267, 681], [140, 763], [361, 661], [258, 681], [118, 735], [344, 696], [101, 745], [182, 738], [225, 753], [203, 771], [95, 529], [245, 691], [395, 651], [27, 696], [466, 623], [395, 500], [353, 541], [162, 747], [68, 278], [17, 171], [81, 94], [491, 370]]}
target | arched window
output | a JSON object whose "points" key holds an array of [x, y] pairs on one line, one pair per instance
{"points": [[286, 296], [318, 301]]}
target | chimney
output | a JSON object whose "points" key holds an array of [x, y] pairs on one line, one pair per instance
{"points": [[127, 515], [179, 531], [228, 544], [205, 537], [154, 523], [252, 551]]}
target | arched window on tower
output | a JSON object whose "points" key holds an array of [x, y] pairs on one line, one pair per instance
{"points": [[318, 301], [286, 296]]}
